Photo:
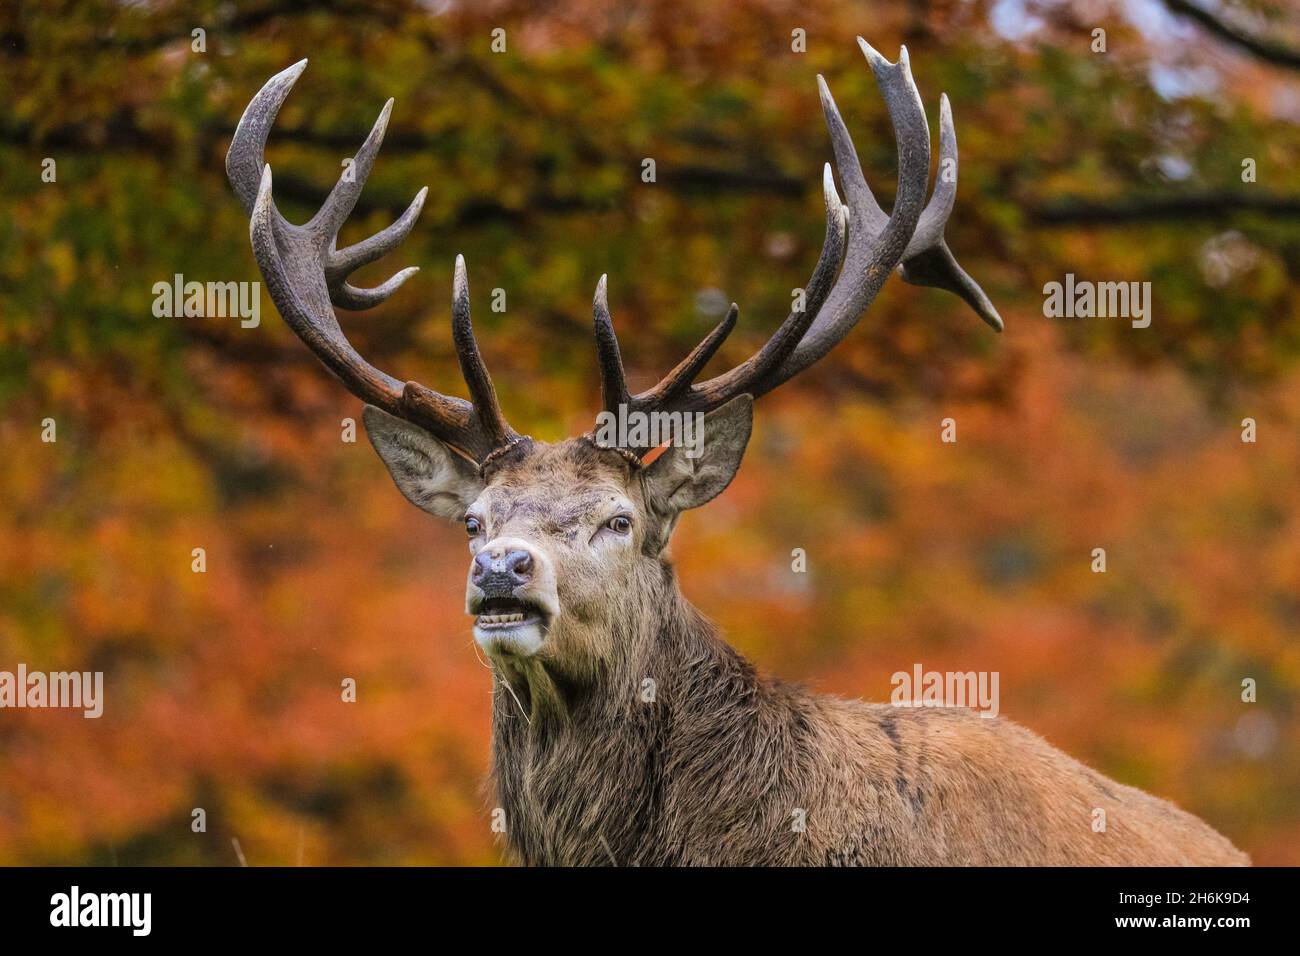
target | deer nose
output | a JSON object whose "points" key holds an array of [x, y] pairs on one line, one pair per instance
{"points": [[497, 566]]}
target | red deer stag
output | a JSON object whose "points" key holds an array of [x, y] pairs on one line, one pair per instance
{"points": [[576, 603]]}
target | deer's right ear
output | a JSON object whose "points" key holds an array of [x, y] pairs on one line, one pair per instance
{"points": [[425, 469], [676, 480]]}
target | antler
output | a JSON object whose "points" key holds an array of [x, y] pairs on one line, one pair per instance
{"points": [[305, 272], [876, 243]]}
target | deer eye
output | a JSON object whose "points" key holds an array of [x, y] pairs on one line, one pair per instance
{"points": [[472, 526], [620, 524]]}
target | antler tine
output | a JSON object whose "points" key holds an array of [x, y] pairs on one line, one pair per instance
{"points": [[338, 205], [929, 228], [680, 379], [481, 391], [928, 261], [340, 263], [866, 211], [938, 268], [305, 273], [613, 381], [245, 159], [348, 296], [334, 213]]}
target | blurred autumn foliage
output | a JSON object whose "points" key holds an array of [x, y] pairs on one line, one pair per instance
{"points": [[223, 688]]}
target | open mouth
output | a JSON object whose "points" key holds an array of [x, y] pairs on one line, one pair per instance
{"points": [[508, 613], [510, 626]]}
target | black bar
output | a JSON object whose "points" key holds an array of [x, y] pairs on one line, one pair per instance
{"points": [[503, 906]]}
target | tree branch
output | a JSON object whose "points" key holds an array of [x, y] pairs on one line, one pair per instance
{"points": [[1268, 50], [1210, 205]]}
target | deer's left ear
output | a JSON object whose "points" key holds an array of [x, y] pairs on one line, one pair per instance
{"points": [[675, 482], [425, 469]]}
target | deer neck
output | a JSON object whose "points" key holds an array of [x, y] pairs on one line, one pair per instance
{"points": [[581, 766]]}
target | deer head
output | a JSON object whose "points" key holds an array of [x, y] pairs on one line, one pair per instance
{"points": [[568, 539]]}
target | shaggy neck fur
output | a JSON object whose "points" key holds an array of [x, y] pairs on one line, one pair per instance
{"points": [[610, 768]]}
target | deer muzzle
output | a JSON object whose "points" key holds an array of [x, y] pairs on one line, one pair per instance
{"points": [[512, 595]]}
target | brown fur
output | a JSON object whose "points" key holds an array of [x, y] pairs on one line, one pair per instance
{"points": [[714, 770]]}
